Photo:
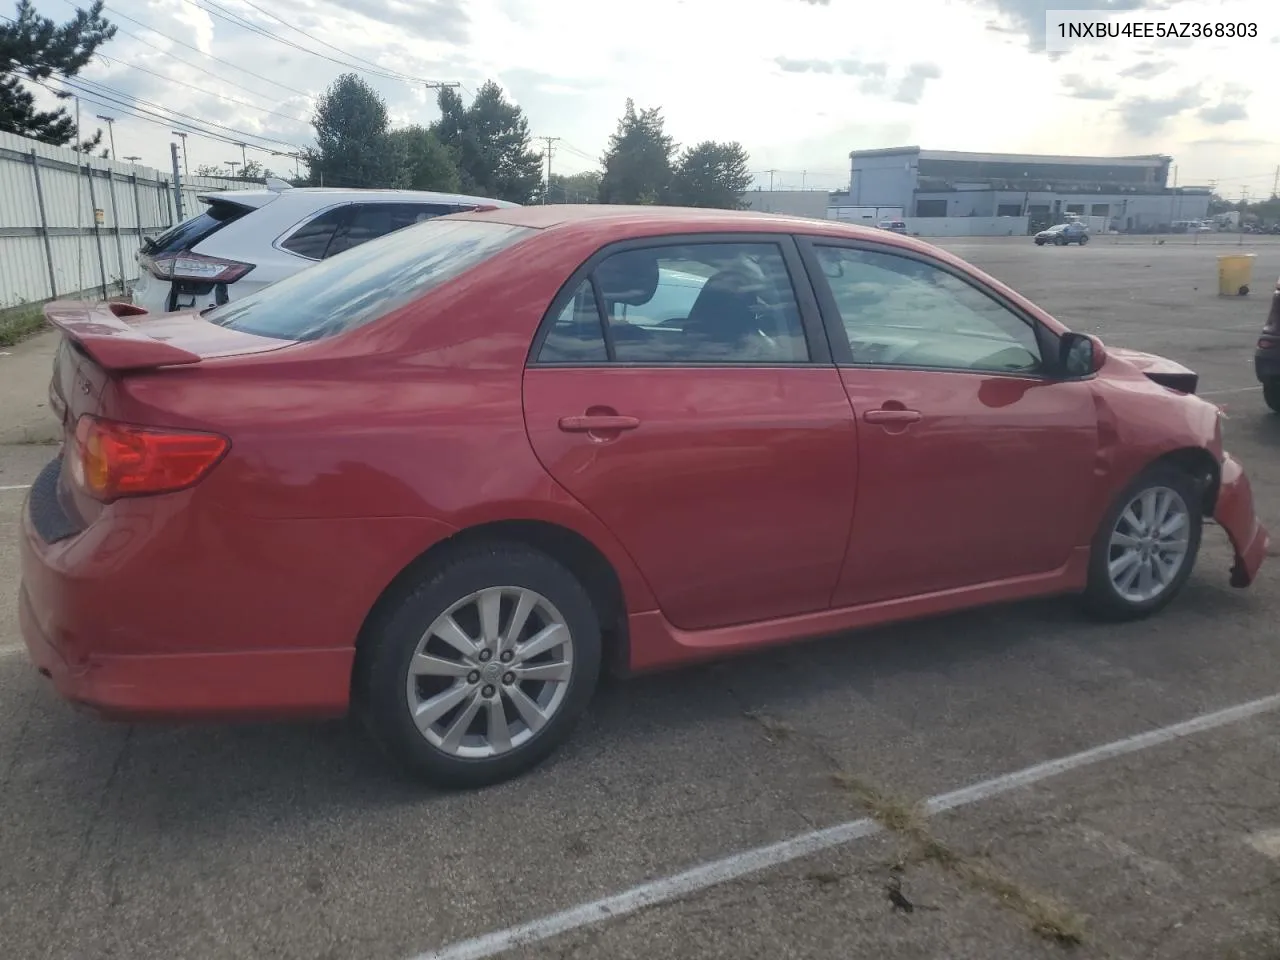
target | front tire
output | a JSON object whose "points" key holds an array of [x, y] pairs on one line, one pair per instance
{"points": [[479, 672], [1084, 240], [1146, 545], [1060, 242], [1271, 393]]}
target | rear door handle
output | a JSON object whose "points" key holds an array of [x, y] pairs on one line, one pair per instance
{"points": [[892, 416], [597, 424]]}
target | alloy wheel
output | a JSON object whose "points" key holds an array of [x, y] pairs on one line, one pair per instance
{"points": [[490, 672], [1148, 545]]}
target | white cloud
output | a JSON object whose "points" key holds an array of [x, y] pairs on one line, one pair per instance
{"points": [[799, 82]]}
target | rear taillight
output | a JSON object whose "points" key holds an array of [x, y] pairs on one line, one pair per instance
{"points": [[113, 460], [194, 266]]}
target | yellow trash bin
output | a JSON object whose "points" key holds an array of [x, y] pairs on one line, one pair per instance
{"points": [[1234, 272]]}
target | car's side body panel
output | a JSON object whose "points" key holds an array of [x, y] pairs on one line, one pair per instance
{"points": [[353, 455]]}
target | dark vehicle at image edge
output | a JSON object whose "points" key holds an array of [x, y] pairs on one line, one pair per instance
{"points": [[445, 479], [1266, 359]]}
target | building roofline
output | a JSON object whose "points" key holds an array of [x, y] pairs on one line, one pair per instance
{"points": [[1152, 159], [883, 152]]}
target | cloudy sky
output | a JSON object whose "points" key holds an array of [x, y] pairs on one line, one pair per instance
{"points": [[799, 82]]}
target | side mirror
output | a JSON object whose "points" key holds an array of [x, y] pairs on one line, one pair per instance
{"points": [[1080, 355]]}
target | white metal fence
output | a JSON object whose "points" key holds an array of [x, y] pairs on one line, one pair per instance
{"points": [[71, 224]]}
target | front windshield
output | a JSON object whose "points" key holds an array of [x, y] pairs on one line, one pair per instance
{"points": [[368, 281]]}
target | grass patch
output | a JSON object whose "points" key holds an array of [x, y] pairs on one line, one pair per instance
{"points": [[20, 323], [889, 811], [1047, 918]]}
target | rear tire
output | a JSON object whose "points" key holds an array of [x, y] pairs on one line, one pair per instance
{"points": [[446, 653], [1136, 565], [1271, 393]]}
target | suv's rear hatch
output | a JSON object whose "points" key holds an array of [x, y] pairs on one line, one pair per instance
{"points": [[168, 258]]}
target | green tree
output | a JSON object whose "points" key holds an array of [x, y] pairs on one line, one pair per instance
{"points": [[574, 188], [490, 145], [425, 163], [352, 144], [35, 48], [711, 175], [638, 162], [210, 170], [252, 170]]}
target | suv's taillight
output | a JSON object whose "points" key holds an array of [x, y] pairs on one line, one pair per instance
{"points": [[113, 460], [194, 266]]}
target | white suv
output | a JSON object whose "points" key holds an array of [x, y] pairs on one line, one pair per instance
{"points": [[247, 239]]}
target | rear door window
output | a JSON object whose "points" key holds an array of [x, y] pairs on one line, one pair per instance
{"points": [[312, 239], [342, 293], [368, 221], [184, 236]]}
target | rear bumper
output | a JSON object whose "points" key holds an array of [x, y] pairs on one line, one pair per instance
{"points": [[1235, 513], [128, 618], [267, 684]]}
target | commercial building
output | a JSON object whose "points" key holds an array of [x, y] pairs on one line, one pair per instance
{"points": [[792, 203], [1131, 194]]}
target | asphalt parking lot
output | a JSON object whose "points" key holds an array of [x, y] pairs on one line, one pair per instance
{"points": [[714, 786]]}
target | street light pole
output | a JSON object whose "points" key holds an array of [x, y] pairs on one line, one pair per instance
{"points": [[111, 132], [131, 159], [185, 169], [233, 164]]}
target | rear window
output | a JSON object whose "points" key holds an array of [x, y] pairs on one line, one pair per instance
{"points": [[191, 231], [367, 282]]}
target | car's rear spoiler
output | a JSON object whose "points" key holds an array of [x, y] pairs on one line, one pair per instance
{"points": [[100, 330]]}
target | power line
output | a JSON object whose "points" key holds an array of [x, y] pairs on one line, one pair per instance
{"points": [[189, 66], [154, 117], [224, 14], [207, 93], [131, 100], [281, 20], [210, 56]]}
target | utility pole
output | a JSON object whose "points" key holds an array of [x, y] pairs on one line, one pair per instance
{"points": [[439, 85], [177, 179], [804, 175], [1244, 203], [185, 169], [1275, 185], [111, 132], [771, 173], [244, 158], [549, 151]]}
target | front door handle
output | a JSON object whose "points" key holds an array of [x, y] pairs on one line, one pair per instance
{"points": [[892, 416], [597, 423]]}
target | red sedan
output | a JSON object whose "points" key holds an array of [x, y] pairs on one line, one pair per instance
{"points": [[447, 477]]}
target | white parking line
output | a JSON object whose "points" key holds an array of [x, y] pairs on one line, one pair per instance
{"points": [[762, 858], [1219, 393], [17, 486]]}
